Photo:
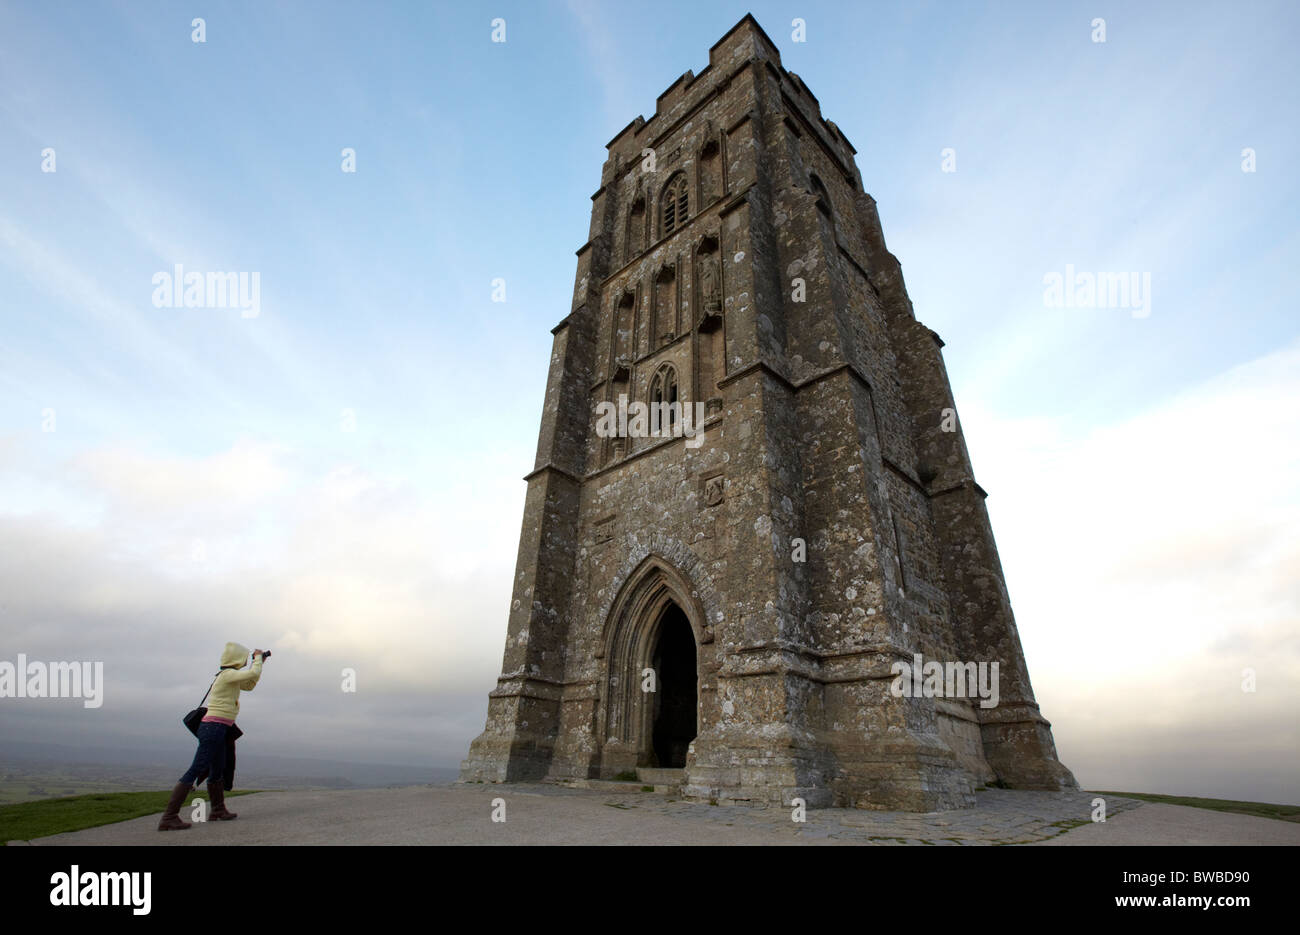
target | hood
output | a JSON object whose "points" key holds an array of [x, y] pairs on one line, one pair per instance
{"points": [[235, 655]]}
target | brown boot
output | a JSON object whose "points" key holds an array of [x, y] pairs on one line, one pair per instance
{"points": [[171, 819], [217, 793]]}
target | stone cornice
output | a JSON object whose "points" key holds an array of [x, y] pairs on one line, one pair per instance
{"points": [[549, 466]]}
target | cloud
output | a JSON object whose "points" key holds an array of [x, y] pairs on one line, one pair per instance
{"points": [[330, 566], [1150, 562], [246, 473]]}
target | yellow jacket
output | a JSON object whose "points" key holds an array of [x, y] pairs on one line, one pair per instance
{"points": [[223, 699]]}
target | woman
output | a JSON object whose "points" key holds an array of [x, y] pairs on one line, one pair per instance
{"points": [[210, 758]]}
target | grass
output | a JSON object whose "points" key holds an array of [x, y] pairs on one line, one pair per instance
{"points": [[1069, 824], [26, 820], [1258, 809]]}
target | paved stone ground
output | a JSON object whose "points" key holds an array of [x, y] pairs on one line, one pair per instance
{"points": [[1158, 823], [549, 814]]}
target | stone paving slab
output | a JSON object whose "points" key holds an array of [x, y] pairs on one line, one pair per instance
{"points": [[552, 814], [1160, 823]]}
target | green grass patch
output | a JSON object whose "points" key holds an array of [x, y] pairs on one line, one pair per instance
{"points": [[1258, 809], [26, 820], [626, 776]]}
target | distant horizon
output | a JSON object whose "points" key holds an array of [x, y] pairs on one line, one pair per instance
{"points": [[119, 756]]}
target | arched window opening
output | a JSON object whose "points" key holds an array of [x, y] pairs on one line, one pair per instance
{"points": [[823, 197], [664, 404], [674, 205]]}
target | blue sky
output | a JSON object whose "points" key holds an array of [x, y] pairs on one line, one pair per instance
{"points": [[198, 487]]}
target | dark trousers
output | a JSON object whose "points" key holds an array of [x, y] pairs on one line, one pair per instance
{"points": [[210, 758]]}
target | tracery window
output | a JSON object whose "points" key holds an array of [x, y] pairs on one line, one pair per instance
{"points": [[664, 405], [674, 204]]}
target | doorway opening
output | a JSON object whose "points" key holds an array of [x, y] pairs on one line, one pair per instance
{"points": [[676, 697]]}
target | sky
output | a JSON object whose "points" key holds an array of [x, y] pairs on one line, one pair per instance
{"points": [[339, 477]]}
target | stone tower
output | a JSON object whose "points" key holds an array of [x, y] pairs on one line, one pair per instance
{"points": [[762, 571]]}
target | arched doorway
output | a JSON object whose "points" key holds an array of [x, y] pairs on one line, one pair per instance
{"points": [[676, 699], [655, 623]]}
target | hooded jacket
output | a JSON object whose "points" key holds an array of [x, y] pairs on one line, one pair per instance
{"points": [[223, 699]]}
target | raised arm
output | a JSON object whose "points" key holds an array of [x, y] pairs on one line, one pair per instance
{"points": [[247, 678]]}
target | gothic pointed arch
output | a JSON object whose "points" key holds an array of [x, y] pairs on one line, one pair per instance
{"points": [[818, 188], [664, 307], [709, 173], [632, 630], [635, 239], [708, 275], [664, 400], [674, 204], [624, 312], [710, 363]]}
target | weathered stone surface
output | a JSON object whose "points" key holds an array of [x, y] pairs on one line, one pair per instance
{"points": [[826, 526]]}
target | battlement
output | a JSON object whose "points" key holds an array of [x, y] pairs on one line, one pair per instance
{"points": [[744, 45]]}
